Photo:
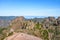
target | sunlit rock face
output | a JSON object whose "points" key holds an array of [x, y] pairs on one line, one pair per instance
{"points": [[17, 22], [19, 18], [22, 36]]}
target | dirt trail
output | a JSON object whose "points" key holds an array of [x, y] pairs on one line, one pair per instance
{"points": [[22, 36]]}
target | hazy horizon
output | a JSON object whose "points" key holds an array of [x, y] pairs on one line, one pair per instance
{"points": [[29, 17]]}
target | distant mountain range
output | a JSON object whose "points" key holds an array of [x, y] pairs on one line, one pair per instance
{"points": [[5, 20], [7, 17]]}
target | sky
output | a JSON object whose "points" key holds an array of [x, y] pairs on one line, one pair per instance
{"points": [[29, 7]]}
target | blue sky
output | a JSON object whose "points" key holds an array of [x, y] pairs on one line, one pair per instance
{"points": [[29, 8]]}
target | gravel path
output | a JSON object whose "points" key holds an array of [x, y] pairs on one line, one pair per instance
{"points": [[22, 36]]}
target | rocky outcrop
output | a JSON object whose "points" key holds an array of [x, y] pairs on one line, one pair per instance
{"points": [[21, 23]]}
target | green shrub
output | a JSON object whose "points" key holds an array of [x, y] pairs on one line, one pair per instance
{"points": [[45, 34], [50, 30], [10, 34]]}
